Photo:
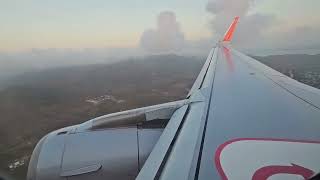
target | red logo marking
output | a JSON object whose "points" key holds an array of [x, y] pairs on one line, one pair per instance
{"points": [[265, 172], [268, 171]]}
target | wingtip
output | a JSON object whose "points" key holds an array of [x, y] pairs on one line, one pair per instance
{"points": [[229, 34]]}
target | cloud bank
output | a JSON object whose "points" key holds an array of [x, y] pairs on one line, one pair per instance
{"points": [[166, 37], [257, 30]]}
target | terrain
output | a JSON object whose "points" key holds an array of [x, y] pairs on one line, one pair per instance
{"points": [[301, 67], [35, 103]]}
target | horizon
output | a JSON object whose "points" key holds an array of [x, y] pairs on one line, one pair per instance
{"points": [[139, 25], [41, 34]]}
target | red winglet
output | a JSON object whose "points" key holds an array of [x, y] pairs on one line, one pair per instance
{"points": [[229, 33]]}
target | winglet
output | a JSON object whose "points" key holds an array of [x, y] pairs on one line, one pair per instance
{"points": [[229, 33]]}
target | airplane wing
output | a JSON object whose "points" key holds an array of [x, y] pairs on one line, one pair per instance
{"points": [[241, 120]]}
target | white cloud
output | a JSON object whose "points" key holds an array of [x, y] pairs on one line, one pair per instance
{"points": [[256, 30], [166, 37]]}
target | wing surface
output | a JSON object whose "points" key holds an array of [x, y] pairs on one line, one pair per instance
{"points": [[234, 97], [252, 101]]}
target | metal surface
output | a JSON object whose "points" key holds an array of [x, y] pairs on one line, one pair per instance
{"points": [[180, 159], [246, 103], [111, 146], [303, 91], [104, 154], [153, 164], [242, 99], [197, 84], [133, 117], [118, 158], [147, 139], [184, 165], [80, 171]]}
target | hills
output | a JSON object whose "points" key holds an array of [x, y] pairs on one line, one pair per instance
{"points": [[36, 103]]}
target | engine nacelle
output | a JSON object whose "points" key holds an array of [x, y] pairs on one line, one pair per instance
{"points": [[114, 146]]}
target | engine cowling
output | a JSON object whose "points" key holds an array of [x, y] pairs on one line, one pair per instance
{"points": [[114, 146]]}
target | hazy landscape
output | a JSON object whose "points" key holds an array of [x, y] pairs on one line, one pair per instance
{"points": [[35, 103]]}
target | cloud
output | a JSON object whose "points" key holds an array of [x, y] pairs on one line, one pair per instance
{"points": [[14, 63], [166, 37], [251, 33], [225, 10], [256, 30], [252, 26], [300, 37], [229, 8]]}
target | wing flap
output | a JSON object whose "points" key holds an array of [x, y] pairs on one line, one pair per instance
{"points": [[161, 150]]}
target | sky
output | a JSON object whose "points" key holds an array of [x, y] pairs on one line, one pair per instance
{"points": [[76, 24], [43, 33], [90, 24]]}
